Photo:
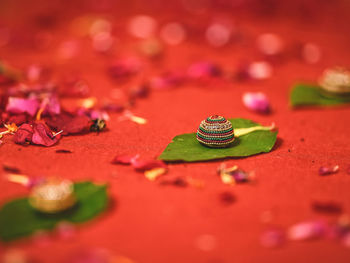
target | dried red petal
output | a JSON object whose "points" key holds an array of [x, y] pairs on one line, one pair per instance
{"points": [[24, 134], [123, 159], [227, 198], [327, 207], [272, 238], [43, 136], [144, 165], [307, 230], [70, 124], [18, 119], [203, 70], [51, 105], [328, 170]]}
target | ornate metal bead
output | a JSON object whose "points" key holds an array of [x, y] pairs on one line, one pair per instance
{"points": [[336, 81], [52, 196], [215, 132]]}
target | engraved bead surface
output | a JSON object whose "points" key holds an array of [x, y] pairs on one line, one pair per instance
{"points": [[336, 81], [215, 132], [52, 196]]}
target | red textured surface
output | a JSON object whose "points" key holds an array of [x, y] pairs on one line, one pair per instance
{"points": [[154, 223]]}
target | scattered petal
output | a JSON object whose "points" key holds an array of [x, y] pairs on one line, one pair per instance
{"points": [[24, 134], [10, 169], [179, 182], [144, 165], [129, 116], [124, 159], [256, 101], [234, 175], [259, 70], [70, 124], [328, 170], [63, 151], [203, 70], [51, 105], [154, 173], [327, 207], [227, 198], [42, 135], [20, 105], [307, 230]]}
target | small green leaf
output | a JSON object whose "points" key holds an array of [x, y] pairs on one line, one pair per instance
{"points": [[186, 148], [19, 219], [304, 94]]}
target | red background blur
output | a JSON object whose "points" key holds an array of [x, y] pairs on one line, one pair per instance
{"points": [[149, 222]]}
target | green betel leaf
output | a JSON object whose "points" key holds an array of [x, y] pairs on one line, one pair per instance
{"points": [[19, 219], [186, 148], [304, 94]]}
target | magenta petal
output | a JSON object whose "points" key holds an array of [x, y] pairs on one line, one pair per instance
{"points": [[24, 134], [307, 230], [256, 101], [204, 70], [43, 136], [328, 170], [20, 105], [51, 105], [124, 159]]}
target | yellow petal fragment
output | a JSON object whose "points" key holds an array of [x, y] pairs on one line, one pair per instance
{"points": [[243, 131], [18, 178], [138, 120], [227, 178], [153, 174]]}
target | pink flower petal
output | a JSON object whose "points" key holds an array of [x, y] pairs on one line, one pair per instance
{"points": [[43, 136], [256, 101], [328, 170], [203, 70], [307, 230], [20, 105], [124, 159], [260, 70], [51, 105]]}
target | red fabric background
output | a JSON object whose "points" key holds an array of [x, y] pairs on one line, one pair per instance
{"points": [[153, 223]]}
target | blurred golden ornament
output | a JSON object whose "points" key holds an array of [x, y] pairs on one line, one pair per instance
{"points": [[336, 82], [53, 196]]}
